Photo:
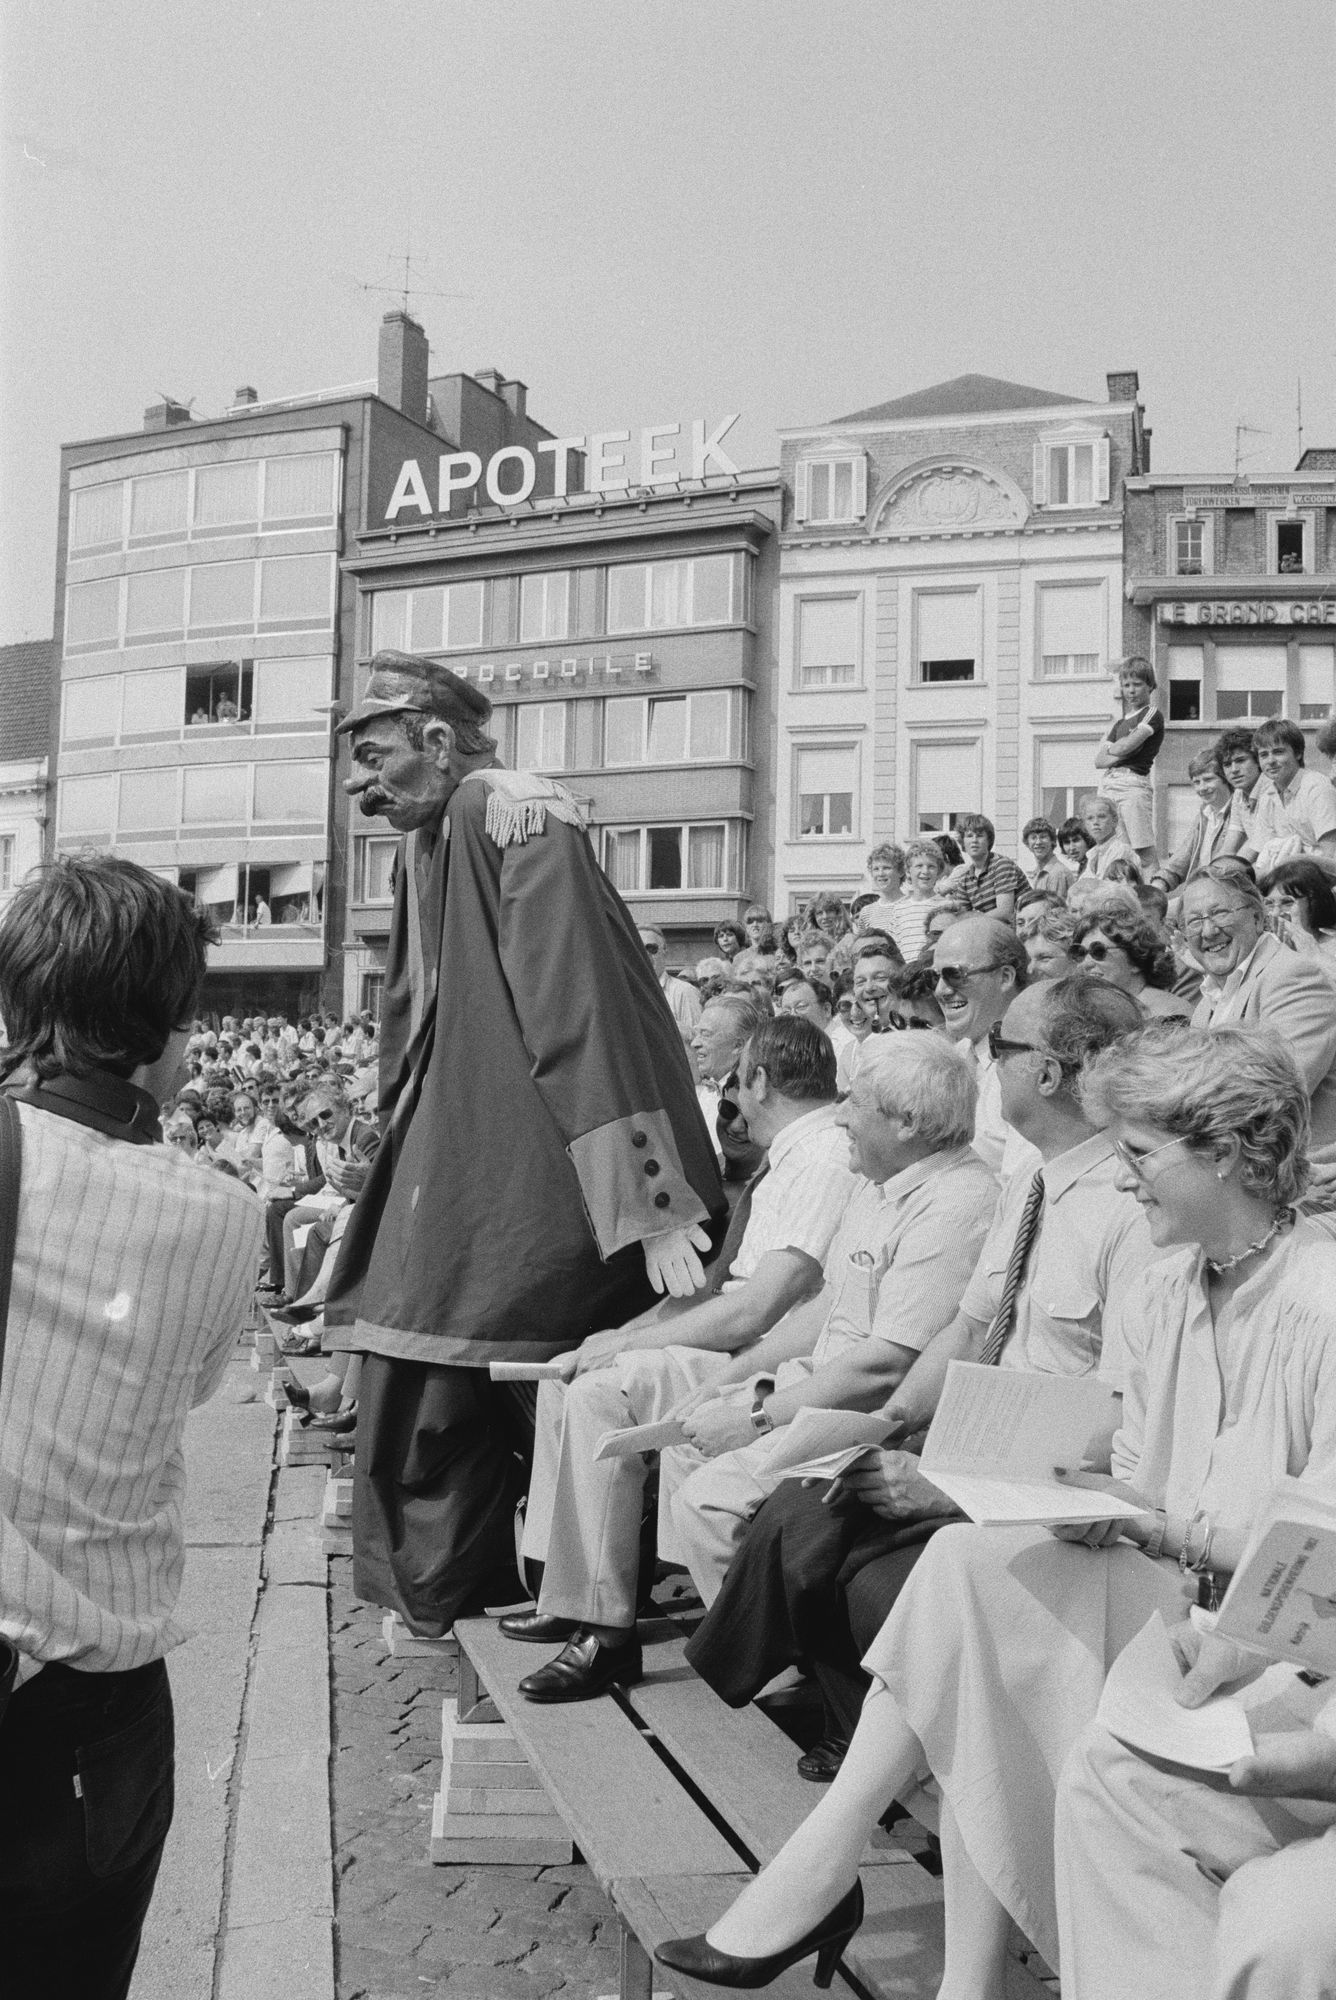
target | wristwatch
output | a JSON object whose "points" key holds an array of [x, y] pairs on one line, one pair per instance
{"points": [[760, 1419]]}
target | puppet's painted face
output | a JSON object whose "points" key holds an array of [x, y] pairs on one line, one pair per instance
{"points": [[389, 777]]}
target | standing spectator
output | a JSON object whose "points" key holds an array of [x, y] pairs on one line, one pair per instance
{"points": [[1296, 808], [827, 913], [1050, 874], [924, 867], [758, 924], [683, 999], [1106, 843], [1211, 833], [132, 1272], [730, 939], [988, 884], [1127, 753], [1074, 844], [1243, 774], [886, 870]]}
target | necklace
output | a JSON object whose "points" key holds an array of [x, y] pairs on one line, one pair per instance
{"points": [[1222, 1264]]}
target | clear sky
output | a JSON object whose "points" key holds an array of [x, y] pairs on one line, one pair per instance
{"points": [[662, 209]]}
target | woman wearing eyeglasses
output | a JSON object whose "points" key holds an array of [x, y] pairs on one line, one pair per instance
{"points": [[1301, 908], [993, 1661], [1127, 951]]}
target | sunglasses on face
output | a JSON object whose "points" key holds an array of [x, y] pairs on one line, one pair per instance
{"points": [[906, 1022], [1000, 1045], [955, 976], [1098, 951]]}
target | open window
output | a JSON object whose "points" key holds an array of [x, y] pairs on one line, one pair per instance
{"points": [[1290, 548], [221, 692]]}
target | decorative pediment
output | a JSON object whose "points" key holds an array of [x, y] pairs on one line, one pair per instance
{"points": [[944, 496]]}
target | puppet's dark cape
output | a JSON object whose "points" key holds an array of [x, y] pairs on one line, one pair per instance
{"points": [[538, 1113]]}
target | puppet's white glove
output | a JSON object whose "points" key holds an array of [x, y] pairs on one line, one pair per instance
{"points": [[672, 1263]]}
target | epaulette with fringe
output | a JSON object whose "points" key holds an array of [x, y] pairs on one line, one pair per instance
{"points": [[519, 802]]}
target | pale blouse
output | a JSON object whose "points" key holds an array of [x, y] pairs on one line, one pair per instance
{"points": [[1213, 1427]]}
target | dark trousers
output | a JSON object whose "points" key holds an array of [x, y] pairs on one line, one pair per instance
{"points": [[86, 1791], [274, 1211], [442, 1459], [809, 1584]]}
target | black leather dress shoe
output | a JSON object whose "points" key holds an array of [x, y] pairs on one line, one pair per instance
{"points": [[540, 1626], [584, 1667], [823, 1760]]}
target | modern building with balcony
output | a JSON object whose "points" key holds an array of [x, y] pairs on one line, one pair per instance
{"points": [[205, 632], [625, 638], [950, 592], [1231, 593]]}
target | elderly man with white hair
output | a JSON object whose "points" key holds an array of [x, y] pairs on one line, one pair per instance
{"points": [[894, 1278]]}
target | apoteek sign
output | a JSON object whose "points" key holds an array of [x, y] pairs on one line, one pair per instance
{"points": [[509, 476]]}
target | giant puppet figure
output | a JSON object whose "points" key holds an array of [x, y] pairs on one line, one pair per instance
{"points": [[544, 1169]]}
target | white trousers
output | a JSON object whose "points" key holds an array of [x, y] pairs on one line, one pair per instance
{"points": [[582, 1520], [1170, 1890], [711, 1500]]}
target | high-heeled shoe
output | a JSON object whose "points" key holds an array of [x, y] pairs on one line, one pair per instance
{"points": [[828, 1939]]}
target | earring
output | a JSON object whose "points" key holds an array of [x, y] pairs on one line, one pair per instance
{"points": [[1221, 1177]]}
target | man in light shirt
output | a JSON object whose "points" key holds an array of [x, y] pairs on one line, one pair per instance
{"points": [[132, 1273], [894, 1278], [1296, 809], [583, 1518]]}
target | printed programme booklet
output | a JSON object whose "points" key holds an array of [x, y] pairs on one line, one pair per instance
{"points": [[1281, 1600], [999, 1434]]}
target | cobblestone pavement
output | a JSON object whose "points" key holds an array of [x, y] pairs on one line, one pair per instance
{"points": [[406, 1928]]}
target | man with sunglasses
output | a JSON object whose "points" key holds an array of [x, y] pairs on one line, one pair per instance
{"points": [[682, 997], [981, 965]]}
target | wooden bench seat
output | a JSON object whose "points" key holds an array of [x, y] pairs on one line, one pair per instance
{"points": [[664, 1863]]}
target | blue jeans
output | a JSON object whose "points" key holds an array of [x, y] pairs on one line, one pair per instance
{"points": [[86, 1791]]}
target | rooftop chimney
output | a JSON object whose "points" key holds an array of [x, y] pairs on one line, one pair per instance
{"points": [[515, 395], [162, 416], [1123, 388], [401, 366], [491, 378], [244, 395]]}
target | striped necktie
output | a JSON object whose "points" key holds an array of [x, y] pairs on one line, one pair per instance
{"points": [[1020, 1251]]}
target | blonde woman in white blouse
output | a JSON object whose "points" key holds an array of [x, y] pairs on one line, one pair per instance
{"points": [[993, 1660]]}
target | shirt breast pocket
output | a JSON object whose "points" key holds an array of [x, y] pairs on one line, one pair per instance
{"points": [[1070, 1314]]}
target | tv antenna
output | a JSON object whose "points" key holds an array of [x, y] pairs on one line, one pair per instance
{"points": [[408, 288], [1242, 431]]}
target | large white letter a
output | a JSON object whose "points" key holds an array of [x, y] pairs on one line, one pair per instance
{"points": [[409, 490]]}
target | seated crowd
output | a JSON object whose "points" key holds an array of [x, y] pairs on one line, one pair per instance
{"points": [[1109, 1151]]}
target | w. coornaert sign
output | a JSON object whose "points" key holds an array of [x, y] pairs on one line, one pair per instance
{"points": [[509, 476]]}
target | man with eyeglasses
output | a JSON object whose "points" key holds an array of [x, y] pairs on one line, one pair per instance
{"points": [[680, 994], [1250, 979], [981, 965], [1059, 1271]]}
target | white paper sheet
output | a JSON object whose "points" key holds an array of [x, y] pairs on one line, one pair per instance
{"points": [[820, 1434], [531, 1371], [645, 1437], [999, 1433], [1138, 1706]]}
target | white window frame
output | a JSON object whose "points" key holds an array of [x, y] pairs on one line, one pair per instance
{"points": [[855, 677], [1205, 520], [1068, 440], [192, 531], [804, 496], [547, 710], [364, 846], [1085, 673], [1220, 654], [734, 853], [1309, 520], [551, 628], [691, 755], [918, 594], [839, 745], [931, 740], [737, 593], [8, 856]]}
